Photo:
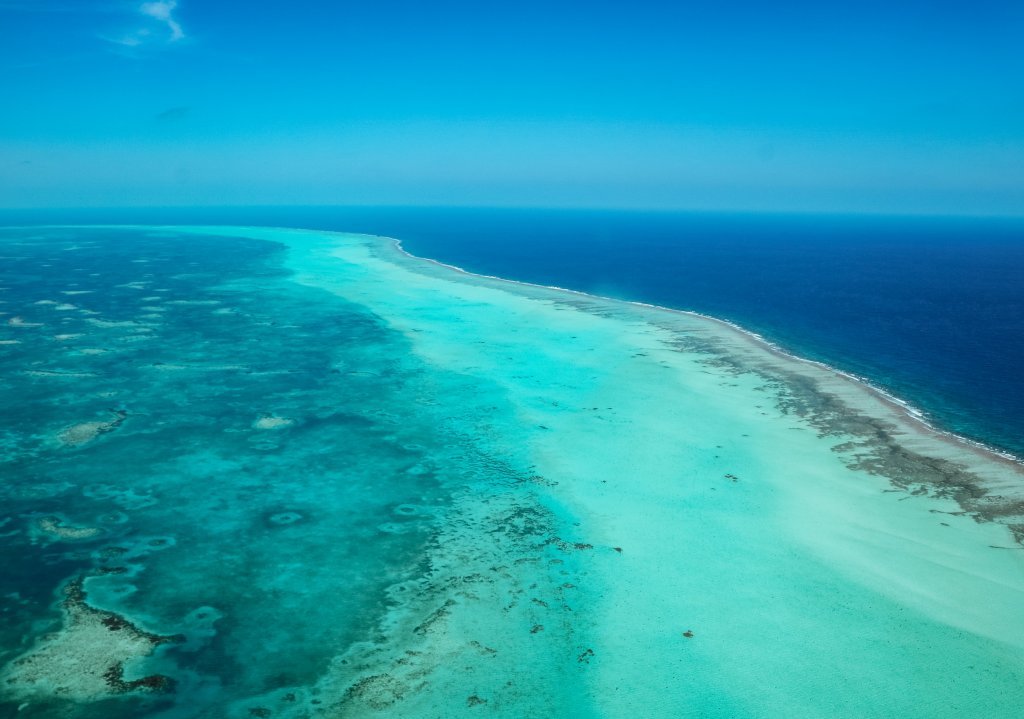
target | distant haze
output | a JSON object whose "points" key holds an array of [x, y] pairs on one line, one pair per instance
{"points": [[913, 107]]}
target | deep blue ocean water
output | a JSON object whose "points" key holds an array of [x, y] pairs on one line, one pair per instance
{"points": [[931, 309]]}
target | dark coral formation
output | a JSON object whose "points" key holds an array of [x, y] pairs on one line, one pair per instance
{"points": [[75, 602], [569, 546], [436, 616], [378, 691], [155, 683], [876, 449]]}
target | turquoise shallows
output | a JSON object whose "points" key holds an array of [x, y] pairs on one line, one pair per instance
{"points": [[283, 473]]}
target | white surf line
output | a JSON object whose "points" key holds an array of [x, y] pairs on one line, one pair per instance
{"points": [[907, 409]]}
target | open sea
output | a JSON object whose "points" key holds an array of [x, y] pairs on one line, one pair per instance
{"points": [[929, 309]]}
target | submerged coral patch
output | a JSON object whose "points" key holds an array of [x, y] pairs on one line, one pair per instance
{"points": [[56, 527], [85, 659], [273, 422], [84, 432], [282, 518]]}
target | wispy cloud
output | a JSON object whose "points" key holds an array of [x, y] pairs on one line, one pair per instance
{"points": [[159, 25], [162, 10]]}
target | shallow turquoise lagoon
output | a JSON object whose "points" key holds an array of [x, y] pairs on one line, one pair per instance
{"points": [[253, 472]]}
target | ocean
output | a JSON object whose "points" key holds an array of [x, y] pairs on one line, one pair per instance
{"points": [[929, 309], [271, 472]]}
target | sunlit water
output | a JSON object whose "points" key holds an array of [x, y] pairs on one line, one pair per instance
{"points": [[282, 474]]}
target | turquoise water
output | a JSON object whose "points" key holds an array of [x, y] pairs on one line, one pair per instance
{"points": [[194, 342], [253, 472], [918, 305]]}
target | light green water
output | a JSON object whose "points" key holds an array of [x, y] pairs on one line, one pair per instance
{"points": [[602, 510]]}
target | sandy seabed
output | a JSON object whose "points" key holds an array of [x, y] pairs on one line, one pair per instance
{"points": [[646, 513], [715, 529]]}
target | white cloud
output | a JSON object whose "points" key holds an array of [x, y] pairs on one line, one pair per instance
{"points": [[160, 25], [163, 10]]}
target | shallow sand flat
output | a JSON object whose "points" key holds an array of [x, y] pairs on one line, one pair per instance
{"points": [[87, 658], [272, 422], [84, 432], [20, 322], [56, 527], [721, 514], [111, 323]]}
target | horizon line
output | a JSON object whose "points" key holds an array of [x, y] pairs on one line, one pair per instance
{"points": [[526, 208]]}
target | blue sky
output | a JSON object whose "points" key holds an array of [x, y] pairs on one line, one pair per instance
{"points": [[870, 106]]}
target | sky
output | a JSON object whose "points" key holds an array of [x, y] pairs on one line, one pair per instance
{"points": [[889, 107]]}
